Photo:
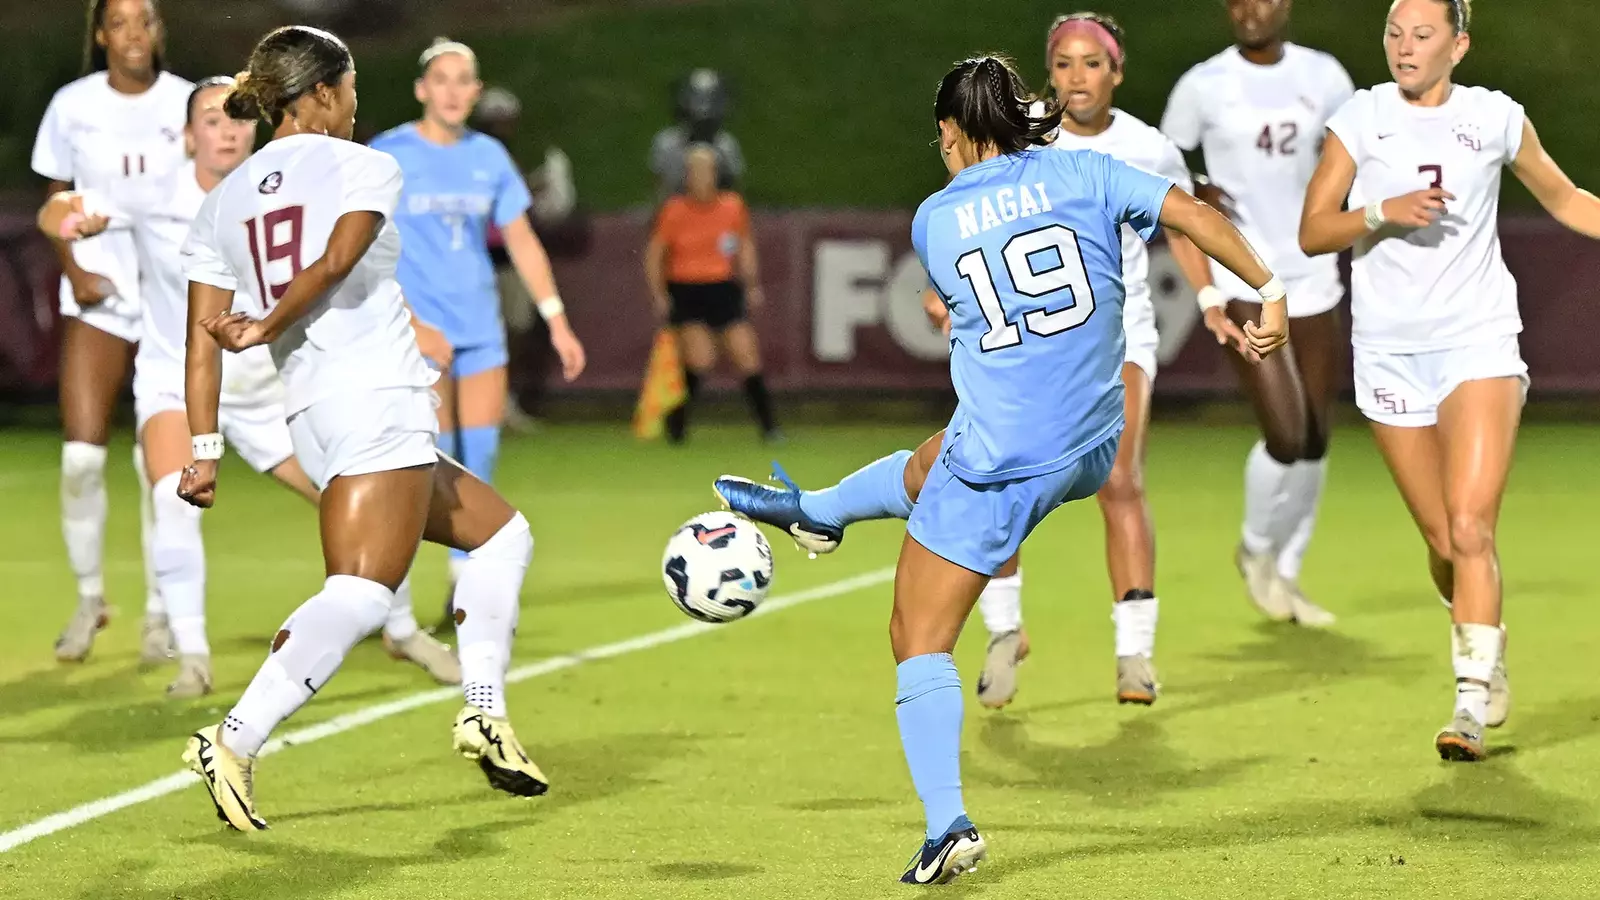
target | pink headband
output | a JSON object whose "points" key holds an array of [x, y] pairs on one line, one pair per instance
{"points": [[1088, 27]]}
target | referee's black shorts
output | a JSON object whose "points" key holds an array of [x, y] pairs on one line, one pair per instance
{"points": [[716, 305]]}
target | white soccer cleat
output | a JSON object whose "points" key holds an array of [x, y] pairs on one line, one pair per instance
{"points": [[155, 641], [1260, 572], [1461, 740], [77, 639], [997, 684], [1303, 611], [1136, 680], [228, 777], [194, 678], [432, 656], [492, 744], [1499, 689]]}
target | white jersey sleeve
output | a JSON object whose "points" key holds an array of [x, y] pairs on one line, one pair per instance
{"points": [[52, 147], [1182, 121], [202, 261], [1171, 166], [371, 184]]}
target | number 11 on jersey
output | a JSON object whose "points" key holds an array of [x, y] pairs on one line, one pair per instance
{"points": [[1064, 272]]}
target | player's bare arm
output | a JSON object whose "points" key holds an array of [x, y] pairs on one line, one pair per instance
{"points": [[1571, 205], [203, 386], [1327, 227], [1219, 239]]}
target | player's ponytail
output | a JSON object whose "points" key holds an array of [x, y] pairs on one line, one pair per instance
{"points": [[989, 102], [286, 65], [243, 102]]}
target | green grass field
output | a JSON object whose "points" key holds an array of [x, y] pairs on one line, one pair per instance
{"points": [[761, 760]]}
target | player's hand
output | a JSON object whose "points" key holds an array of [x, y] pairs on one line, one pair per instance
{"points": [[662, 308], [754, 297], [235, 332], [1273, 332], [568, 347], [198, 485], [90, 289], [433, 344], [1218, 199], [1227, 334], [1418, 209]]}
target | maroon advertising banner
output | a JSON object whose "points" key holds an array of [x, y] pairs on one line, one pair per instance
{"points": [[844, 309]]}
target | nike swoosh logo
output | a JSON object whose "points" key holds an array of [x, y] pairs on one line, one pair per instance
{"points": [[1385, 137], [706, 537], [926, 872]]}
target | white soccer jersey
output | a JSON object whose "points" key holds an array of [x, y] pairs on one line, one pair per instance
{"points": [[119, 145], [1261, 128], [1444, 286], [272, 218], [1142, 147], [159, 230]]}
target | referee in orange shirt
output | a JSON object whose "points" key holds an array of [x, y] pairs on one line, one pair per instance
{"points": [[698, 239]]}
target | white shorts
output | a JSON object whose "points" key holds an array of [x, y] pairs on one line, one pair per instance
{"points": [[116, 315], [253, 427], [115, 256], [1139, 331], [1405, 389], [366, 431], [1309, 295]]}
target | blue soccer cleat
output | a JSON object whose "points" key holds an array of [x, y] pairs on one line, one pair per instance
{"points": [[778, 507], [940, 860]]}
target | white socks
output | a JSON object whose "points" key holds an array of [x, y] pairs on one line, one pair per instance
{"points": [[1001, 604], [1475, 651], [1280, 507], [154, 604], [486, 601], [402, 623], [1135, 622], [1304, 495], [83, 513], [178, 560], [305, 654]]}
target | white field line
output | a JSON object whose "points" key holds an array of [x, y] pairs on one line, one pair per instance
{"points": [[177, 781]]}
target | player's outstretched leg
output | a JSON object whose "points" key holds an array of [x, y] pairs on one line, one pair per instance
{"points": [[884, 489], [1000, 604], [468, 514]]}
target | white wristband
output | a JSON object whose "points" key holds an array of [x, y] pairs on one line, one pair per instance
{"points": [[207, 446], [1272, 291], [550, 307], [1211, 297], [1374, 215]]}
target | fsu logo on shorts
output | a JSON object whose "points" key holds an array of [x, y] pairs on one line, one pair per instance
{"points": [[271, 183]]}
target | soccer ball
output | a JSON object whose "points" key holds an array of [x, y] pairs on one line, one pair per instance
{"points": [[717, 567]]}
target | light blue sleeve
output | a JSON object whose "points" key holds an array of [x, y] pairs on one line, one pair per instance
{"points": [[511, 197], [919, 235], [1132, 195]]}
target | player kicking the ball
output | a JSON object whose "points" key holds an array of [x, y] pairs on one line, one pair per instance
{"points": [[1014, 450], [303, 232]]}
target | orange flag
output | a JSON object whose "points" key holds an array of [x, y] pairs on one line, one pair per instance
{"points": [[663, 390]]}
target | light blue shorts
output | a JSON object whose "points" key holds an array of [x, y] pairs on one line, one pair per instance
{"points": [[981, 526], [477, 358]]}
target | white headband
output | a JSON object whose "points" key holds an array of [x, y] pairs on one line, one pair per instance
{"points": [[445, 47]]}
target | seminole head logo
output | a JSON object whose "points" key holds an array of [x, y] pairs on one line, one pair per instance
{"points": [[271, 183]]}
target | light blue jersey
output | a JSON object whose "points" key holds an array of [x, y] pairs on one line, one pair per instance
{"points": [[452, 192], [1026, 251]]}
